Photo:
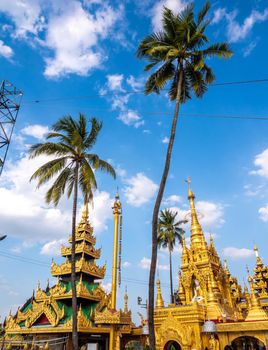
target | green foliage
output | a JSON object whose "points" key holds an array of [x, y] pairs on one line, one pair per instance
{"points": [[169, 230], [181, 45], [73, 140]]}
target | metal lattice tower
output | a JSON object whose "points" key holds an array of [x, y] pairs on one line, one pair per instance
{"points": [[9, 107]]}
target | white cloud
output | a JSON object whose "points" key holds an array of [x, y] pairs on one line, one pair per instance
{"points": [[263, 212], [26, 15], [165, 139], [72, 31], [145, 264], [131, 117], [126, 264], [252, 191], [235, 31], [261, 162], [135, 83], [74, 35], [5, 50], [238, 253], [23, 213], [53, 247], [114, 82], [218, 15], [251, 46], [171, 200], [139, 190], [157, 11], [210, 214], [37, 131]]}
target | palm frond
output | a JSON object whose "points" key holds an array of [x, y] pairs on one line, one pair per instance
{"points": [[48, 149], [96, 127], [58, 188], [203, 13], [49, 170], [221, 50]]}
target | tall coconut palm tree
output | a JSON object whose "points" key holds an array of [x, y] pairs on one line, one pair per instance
{"points": [[169, 232], [178, 53], [74, 167]]}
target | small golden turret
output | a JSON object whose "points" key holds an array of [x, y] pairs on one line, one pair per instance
{"points": [[255, 312], [84, 219], [126, 301], [259, 261], [197, 236], [214, 310], [226, 268], [184, 253], [159, 299]]}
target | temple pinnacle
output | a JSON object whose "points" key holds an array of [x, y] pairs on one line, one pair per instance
{"points": [[197, 236], [159, 299]]}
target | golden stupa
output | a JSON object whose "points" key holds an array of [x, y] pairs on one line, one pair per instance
{"points": [[212, 312]]}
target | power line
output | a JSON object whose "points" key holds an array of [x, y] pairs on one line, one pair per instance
{"points": [[40, 263], [128, 92]]}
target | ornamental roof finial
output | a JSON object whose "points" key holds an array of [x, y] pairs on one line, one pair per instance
{"points": [[126, 301], [84, 219], [159, 299], [259, 261], [117, 205], [197, 236]]}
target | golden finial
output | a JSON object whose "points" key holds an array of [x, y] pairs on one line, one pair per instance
{"points": [[197, 236], [159, 299], [38, 285], [126, 301], [46, 347], [117, 205], [259, 261], [226, 268], [85, 215], [256, 312]]}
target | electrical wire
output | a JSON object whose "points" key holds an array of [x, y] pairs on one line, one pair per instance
{"points": [[127, 92], [40, 263]]}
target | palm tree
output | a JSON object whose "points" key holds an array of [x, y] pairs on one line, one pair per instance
{"points": [[178, 53], [74, 168], [169, 232]]}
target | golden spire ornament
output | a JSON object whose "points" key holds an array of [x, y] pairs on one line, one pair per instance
{"points": [[259, 261], [159, 299], [256, 312], [197, 236]]}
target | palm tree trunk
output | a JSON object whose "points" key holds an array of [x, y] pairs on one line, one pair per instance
{"points": [[156, 213], [171, 281], [73, 274]]}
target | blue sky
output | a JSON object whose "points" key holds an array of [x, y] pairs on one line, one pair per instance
{"points": [[57, 52]]}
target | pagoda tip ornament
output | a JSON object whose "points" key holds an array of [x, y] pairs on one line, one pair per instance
{"points": [[159, 299]]}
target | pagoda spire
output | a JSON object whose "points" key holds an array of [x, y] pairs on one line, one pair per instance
{"points": [[256, 312], [126, 301], [226, 268], [258, 259], [159, 299], [197, 236]]}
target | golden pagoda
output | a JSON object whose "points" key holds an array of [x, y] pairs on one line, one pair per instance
{"points": [[46, 318], [212, 311]]}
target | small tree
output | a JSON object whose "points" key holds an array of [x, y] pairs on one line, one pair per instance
{"points": [[169, 232], [73, 166]]}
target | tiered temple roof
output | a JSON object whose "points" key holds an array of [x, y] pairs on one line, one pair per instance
{"points": [[52, 307]]}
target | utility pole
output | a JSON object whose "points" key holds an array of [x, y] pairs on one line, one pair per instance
{"points": [[10, 98]]}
